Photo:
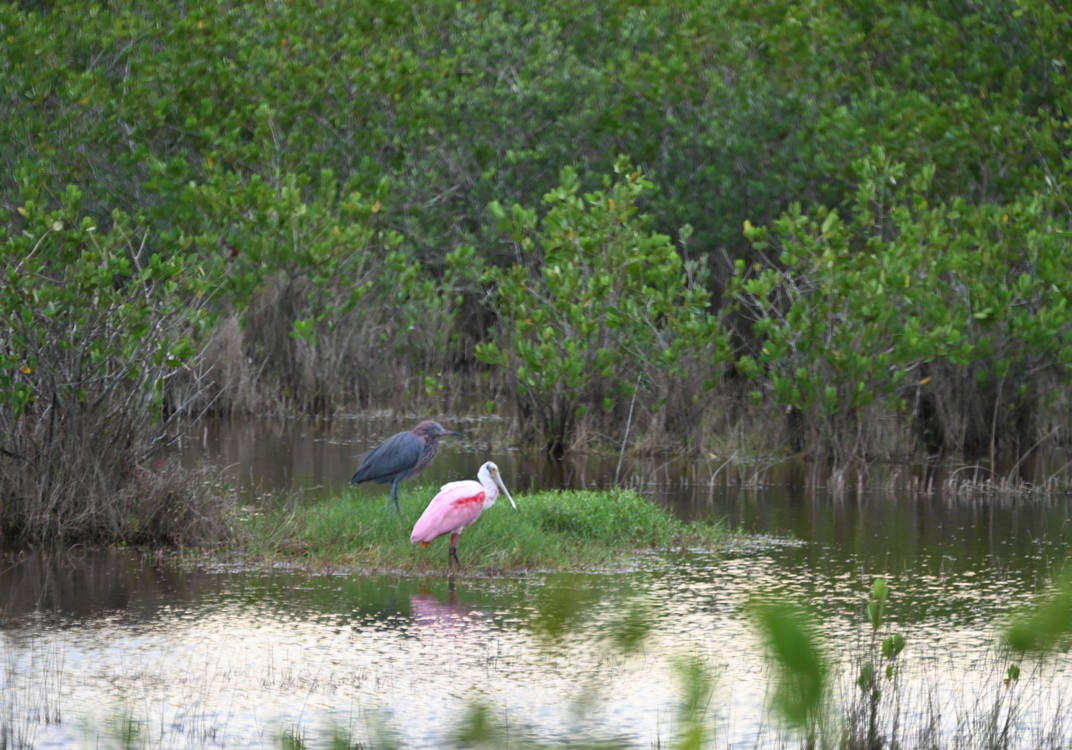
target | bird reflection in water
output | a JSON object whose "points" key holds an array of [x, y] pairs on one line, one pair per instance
{"points": [[443, 617]]}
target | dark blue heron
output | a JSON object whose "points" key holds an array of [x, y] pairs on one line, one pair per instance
{"points": [[399, 457]]}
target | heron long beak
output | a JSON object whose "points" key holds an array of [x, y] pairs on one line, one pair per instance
{"points": [[451, 432], [502, 487]]}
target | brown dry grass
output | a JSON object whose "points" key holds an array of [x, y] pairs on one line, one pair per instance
{"points": [[84, 477]]}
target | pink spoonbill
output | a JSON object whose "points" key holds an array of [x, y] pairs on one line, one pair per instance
{"points": [[457, 506]]}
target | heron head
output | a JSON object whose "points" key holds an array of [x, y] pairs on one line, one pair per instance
{"points": [[492, 471], [434, 429]]}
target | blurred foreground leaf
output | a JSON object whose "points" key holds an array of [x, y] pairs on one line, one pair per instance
{"points": [[696, 684], [800, 666], [1044, 625]]}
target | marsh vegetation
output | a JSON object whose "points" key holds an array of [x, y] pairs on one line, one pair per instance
{"points": [[839, 231], [735, 231]]}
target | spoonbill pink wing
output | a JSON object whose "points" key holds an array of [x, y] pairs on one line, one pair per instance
{"points": [[456, 506]]}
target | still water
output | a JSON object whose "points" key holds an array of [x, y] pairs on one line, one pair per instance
{"points": [[109, 649]]}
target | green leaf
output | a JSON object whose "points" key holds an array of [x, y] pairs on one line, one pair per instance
{"points": [[1044, 625], [800, 665]]}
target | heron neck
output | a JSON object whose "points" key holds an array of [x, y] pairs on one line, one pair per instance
{"points": [[431, 448]]}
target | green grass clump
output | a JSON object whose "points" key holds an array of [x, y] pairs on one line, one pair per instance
{"points": [[554, 530]]}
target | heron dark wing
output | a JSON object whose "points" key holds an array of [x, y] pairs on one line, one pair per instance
{"points": [[395, 456]]}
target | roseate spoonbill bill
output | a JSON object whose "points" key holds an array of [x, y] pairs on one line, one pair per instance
{"points": [[399, 457], [457, 506]]}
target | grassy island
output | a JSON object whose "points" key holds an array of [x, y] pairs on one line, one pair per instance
{"points": [[552, 530]]}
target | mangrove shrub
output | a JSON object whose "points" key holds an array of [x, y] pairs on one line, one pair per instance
{"points": [[904, 301], [92, 329], [598, 303]]}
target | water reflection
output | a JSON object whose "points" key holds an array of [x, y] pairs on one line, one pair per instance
{"points": [[891, 530], [76, 584], [443, 617], [225, 657]]}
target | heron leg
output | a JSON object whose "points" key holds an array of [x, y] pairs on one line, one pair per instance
{"points": [[394, 496]]}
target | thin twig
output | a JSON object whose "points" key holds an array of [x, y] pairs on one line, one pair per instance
{"points": [[628, 422]]}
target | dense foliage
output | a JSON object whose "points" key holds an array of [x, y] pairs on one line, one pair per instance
{"points": [[604, 299], [879, 307], [853, 213], [94, 328]]}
